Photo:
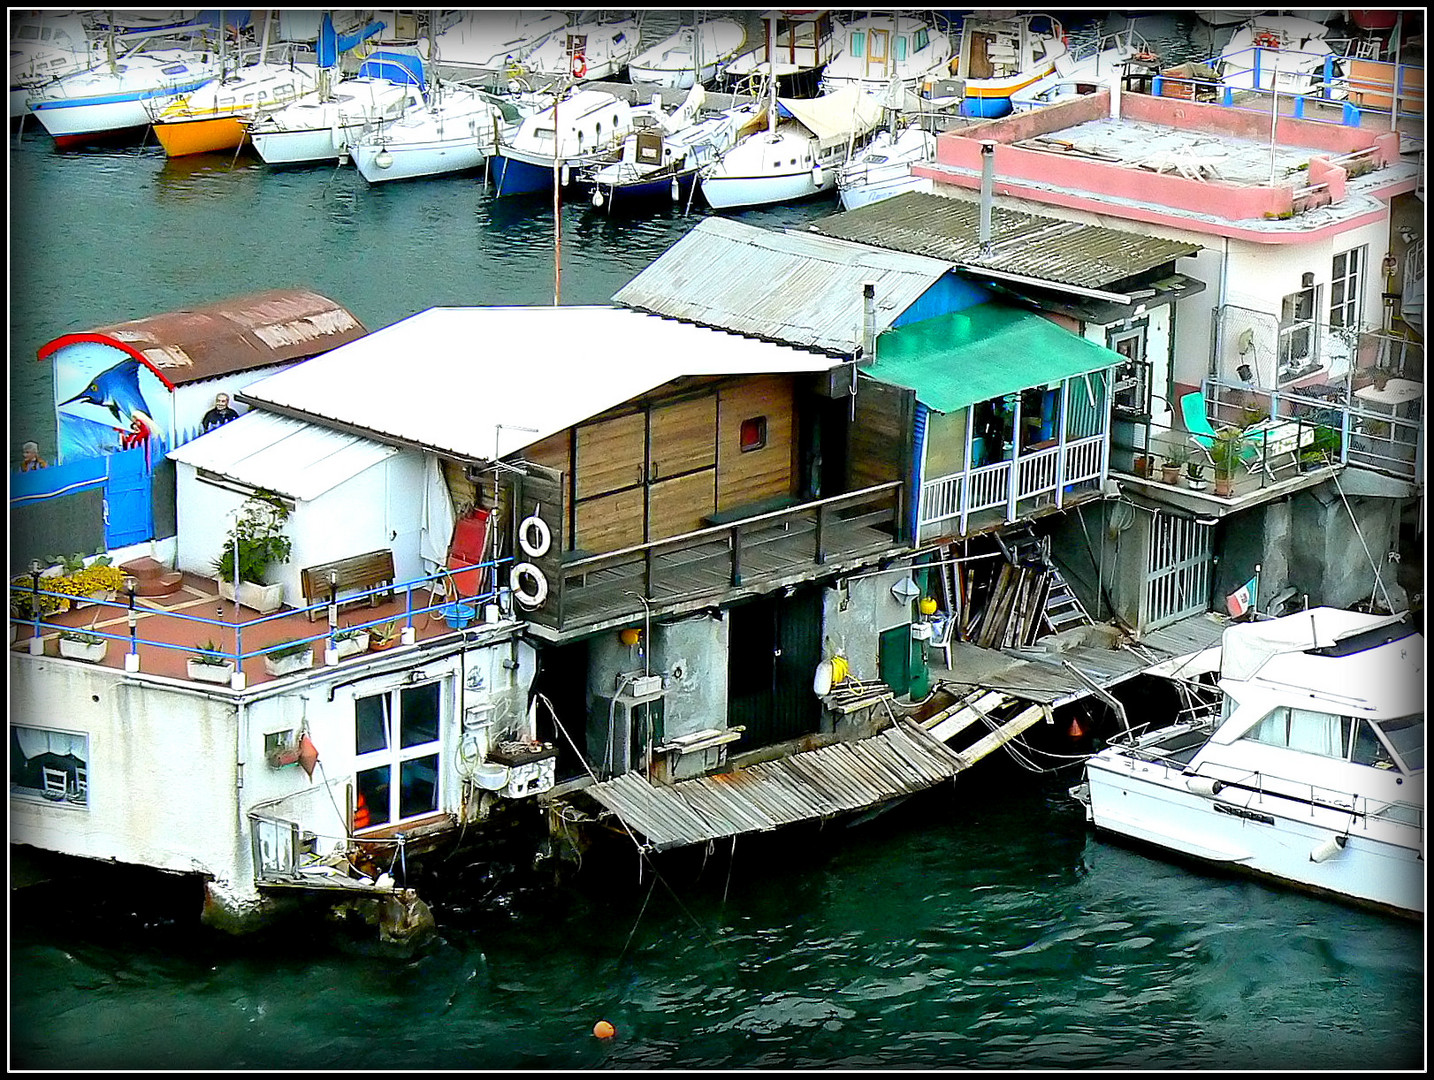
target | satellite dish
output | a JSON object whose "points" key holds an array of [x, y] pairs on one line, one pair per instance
{"points": [[1246, 341], [822, 683]]}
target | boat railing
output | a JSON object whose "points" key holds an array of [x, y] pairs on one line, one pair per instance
{"points": [[120, 618]]}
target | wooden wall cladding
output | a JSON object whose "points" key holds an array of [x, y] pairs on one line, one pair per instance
{"points": [[678, 505], [611, 455], [757, 474], [682, 437], [611, 521], [880, 434]]}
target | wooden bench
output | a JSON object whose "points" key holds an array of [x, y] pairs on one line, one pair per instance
{"points": [[754, 509], [362, 572]]}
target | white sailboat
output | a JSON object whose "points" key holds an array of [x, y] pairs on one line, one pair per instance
{"points": [[589, 50], [879, 48], [797, 154], [883, 168], [44, 46], [694, 54]]}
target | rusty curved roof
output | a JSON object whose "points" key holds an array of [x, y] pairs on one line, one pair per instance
{"points": [[246, 332]]}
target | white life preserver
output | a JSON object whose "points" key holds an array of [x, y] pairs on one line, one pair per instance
{"points": [[536, 547], [539, 591]]}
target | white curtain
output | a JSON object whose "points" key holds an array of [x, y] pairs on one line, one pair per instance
{"points": [[436, 533], [38, 741]]}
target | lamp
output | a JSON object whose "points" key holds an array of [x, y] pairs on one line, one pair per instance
{"points": [[630, 635], [131, 660]]}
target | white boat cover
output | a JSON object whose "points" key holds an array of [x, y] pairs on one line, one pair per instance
{"points": [[835, 117], [1247, 647]]}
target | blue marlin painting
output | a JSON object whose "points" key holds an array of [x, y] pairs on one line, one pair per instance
{"points": [[112, 410], [117, 389]]}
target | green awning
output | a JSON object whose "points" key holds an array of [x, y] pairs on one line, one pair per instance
{"points": [[982, 352]]}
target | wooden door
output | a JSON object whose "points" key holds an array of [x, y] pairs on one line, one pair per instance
{"points": [[608, 475], [681, 466]]}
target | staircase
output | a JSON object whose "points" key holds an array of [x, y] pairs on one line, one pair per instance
{"points": [[1411, 303], [152, 578], [1022, 547]]}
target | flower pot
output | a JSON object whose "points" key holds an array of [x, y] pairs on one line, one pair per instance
{"points": [[287, 665], [375, 645], [1170, 474], [1196, 484], [83, 650], [352, 646], [1224, 486], [262, 598], [214, 673]]}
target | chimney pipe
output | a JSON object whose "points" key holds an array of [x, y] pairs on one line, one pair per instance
{"points": [[988, 187], [1115, 94], [868, 322]]}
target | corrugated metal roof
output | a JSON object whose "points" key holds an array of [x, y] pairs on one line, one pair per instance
{"points": [[238, 334], [479, 383], [812, 784], [982, 352], [291, 457], [1066, 252], [796, 288]]}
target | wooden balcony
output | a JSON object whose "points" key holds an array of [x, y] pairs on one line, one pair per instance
{"points": [[717, 564]]}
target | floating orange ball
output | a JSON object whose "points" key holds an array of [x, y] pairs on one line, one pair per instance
{"points": [[603, 1030]]}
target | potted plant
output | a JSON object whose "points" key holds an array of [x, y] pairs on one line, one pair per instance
{"points": [[1195, 475], [257, 539], [1175, 458], [208, 664], [22, 595], [1324, 450], [383, 636], [1226, 455], [83, 645], [351, 641], [289, 657]]}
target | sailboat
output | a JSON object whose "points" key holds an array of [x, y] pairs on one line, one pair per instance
{"points": [[114, 98], [692, 55], [216, 116], [44, 46], [879, 48], [319, 126], [797, 155], [596, 49]]}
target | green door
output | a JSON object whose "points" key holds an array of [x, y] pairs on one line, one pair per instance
{"points": [[893, 659]]}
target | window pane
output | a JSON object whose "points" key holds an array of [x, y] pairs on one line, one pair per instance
{"points": [[419, 717], [371, 798], [1368, 750], [1406, 735], [370, 728], [418, 786], [858, 45]]}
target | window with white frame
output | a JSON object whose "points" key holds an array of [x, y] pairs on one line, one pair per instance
{"points": [[396, 742], [1346, 287], [1298, 354], [52, 765]]}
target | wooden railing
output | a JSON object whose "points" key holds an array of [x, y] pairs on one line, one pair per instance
{"points": [[956, 496], [710, 562]]}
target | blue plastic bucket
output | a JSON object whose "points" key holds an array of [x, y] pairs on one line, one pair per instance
{"points": [[459, 615]]}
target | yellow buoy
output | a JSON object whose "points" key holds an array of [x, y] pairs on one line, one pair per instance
{"points": [[603, 1030], [928, 605], [630, 636]]}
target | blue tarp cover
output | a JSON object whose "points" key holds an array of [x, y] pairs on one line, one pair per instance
{"points": [[402, 68]]}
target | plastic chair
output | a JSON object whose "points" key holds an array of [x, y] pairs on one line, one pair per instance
{"points": [[941, 636], [1195, 414]]}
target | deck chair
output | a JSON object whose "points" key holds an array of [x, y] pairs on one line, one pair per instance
{"points": [[1195, 414], [55, 781], [942, 628]]}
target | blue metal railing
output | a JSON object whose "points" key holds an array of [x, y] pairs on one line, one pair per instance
{"points": [[26, 608]]}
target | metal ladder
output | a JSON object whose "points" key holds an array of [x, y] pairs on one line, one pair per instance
{"points": [[1022, 546]]}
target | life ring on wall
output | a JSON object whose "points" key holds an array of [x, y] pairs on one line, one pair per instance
{"points": [[1266, 40], [580, 65], [528, 597], [541, 540]]}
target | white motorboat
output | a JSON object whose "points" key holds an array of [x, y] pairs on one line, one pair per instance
{"points": [[796, 47], [692, 55], [1283, 53], [44, 46], [1087, 68], [589, 129], [586, 51], [883, 168], [995, 58], [796, 154], [114, 98], [322, 125], [487, 39], [879, 48], [663, 159], [454, 130], [1311, 775]]}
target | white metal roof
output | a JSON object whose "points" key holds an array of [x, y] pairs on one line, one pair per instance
{"points": [[291, 457], [484, 382]]}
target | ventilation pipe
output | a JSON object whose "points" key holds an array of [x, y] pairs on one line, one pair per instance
{"points": [[988, 187], [1115, 94], [868, 322]]}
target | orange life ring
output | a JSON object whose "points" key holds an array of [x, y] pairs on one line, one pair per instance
{"points": [[580, 65], [1266, 40]]}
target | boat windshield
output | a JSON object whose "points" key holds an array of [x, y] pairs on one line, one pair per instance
{"points": [[1406, 735]]}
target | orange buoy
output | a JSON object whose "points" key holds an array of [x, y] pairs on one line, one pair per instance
{"points": [[1075, 731], [362, 816], [603, 1030]]}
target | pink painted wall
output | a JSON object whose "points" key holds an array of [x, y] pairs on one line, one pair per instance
{"points": [[1325, 172]]}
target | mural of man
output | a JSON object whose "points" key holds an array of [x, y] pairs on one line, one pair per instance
{"points": [[218, 416]]}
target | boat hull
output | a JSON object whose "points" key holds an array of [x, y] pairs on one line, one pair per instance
{"points": [[514, 174], [302, 146], [865, 194], [1379, 864], [736, 192], [645, 192], [413, 161], [210, 135]]}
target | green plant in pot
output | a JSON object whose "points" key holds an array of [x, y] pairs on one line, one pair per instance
{"points": [[1195, 475], [1176, 457], [1324, 450], [258, 542], [1226, 456]]}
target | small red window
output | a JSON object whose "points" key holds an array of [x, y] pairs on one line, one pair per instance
{"points": [[754, 433]]}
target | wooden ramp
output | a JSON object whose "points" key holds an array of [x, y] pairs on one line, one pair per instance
{"points": [[981, 706], [810, 785]]}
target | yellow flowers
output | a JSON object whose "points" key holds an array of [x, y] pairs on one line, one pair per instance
{"points": [[86, 582]]}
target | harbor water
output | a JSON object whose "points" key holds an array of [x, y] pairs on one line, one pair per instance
{"points": [[978, 925]]}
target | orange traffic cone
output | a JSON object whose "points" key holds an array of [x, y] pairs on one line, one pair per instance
{"points": [[1075, 731]]}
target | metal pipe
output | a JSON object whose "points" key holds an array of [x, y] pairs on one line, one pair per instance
{"points": [[988, 187]]}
